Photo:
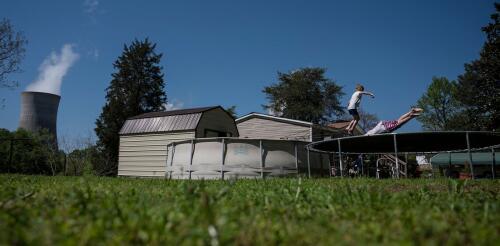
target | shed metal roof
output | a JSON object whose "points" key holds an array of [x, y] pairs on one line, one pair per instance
{"points": [[167, 121]]}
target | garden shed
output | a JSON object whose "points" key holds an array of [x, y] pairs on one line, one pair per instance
{"points": [[144, 138]]}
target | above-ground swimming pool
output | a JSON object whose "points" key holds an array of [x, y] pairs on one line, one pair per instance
{"points": [[223, 158]]}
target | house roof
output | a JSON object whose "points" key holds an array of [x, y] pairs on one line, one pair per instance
{"points": [[166, 121], [334, 127], [272, 117], [341, 125]]}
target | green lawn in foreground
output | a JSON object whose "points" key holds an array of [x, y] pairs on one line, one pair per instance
{"points": [[90, 210]]}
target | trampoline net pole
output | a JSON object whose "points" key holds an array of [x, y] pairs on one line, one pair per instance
{"points": [[172, 160], [261, 160], [191, 158], [376, 167], [333, 169], [222, 160], [449, 164], [396, 156], [166, 161], [321, 165], [493, 163], [406, 165], [340, 159], [470, 155], [296, 158], [308, 163], [329, 166]]}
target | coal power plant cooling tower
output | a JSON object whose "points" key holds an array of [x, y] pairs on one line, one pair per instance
{"points": [[39, 111]]}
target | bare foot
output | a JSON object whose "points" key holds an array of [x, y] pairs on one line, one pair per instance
{"points": [[417, 110]]}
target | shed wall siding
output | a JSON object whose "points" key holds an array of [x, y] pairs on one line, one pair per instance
{"points": [[216, 119], [320, 134], [145, 155], [269, 129]]}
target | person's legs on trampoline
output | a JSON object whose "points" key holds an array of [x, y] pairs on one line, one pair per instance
{"points": [[379, 128], [354, 121], [389, 126], [414, 112]]}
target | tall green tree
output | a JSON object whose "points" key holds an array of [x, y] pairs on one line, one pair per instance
{"points": [[479, 86], [305, 94], [137, 87], [12, 50], [440, 105]]}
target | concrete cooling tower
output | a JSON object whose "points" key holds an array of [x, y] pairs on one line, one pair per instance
{"points": [[39, 111]]}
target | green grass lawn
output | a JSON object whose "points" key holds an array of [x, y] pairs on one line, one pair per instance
{"points": [[93, 210]]}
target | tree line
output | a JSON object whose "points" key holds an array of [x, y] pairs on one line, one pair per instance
{"points": [[472, 102]]}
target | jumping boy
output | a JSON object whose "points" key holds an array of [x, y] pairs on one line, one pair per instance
{"points": [[353, 106]]}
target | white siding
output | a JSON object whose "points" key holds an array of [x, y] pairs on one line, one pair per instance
{"points": [[320, 134], [270, 129], [218, 120], [145, 155]]}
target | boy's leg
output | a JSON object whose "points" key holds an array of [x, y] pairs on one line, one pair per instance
{"points": [[354, 123], [348, 128], [414, 112]]}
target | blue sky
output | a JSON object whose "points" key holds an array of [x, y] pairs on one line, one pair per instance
{"points": [[226, 52]]}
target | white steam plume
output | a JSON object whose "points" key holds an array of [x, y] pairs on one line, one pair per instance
{"points": [[53, 69], [174, 105]]}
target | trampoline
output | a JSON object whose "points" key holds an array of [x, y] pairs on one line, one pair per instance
{"points": [[413, 142]]}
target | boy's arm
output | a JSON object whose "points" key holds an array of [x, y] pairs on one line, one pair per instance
{"points": [[367, 93]]}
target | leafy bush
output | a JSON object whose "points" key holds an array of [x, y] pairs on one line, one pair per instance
{"points": [[32, 153]]}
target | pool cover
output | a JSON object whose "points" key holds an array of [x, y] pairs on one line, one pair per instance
{"points": [[413, 142]]}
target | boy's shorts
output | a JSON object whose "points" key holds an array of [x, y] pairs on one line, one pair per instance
{"points": [[353, 112]]}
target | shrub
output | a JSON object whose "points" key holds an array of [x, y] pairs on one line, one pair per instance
{"points": [[29, 153]]}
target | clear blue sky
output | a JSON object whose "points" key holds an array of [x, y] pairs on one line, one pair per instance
{"points": [[226, 52]]}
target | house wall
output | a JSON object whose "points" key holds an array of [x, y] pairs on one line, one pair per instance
{"points": [[218, 120], [270, 129], [320, 134], [145, 155]]}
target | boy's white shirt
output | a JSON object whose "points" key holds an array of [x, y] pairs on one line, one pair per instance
{"points": [[356, 99]]}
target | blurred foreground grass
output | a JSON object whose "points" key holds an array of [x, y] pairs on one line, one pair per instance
{"points": [[95, 210]]}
